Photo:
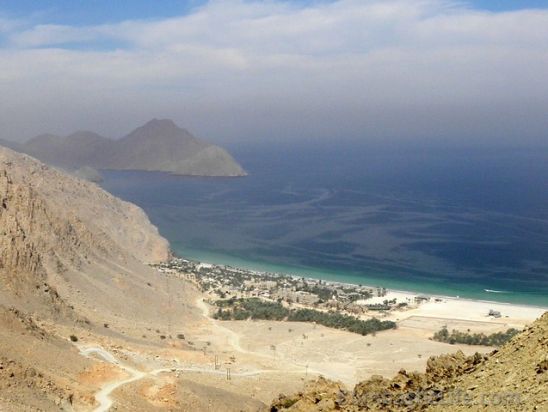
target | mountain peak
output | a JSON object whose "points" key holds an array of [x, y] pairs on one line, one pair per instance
{"points": [[160, 130], [160, 123]]}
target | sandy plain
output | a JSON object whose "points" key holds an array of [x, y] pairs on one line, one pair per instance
{"points": [[243, 365]]}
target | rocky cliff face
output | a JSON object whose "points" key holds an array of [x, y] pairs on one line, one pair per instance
{"points": [[55, 231], [73, 271], [22, 270], [514, 378]]}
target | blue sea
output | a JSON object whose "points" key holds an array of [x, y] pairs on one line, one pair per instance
{"points": [[464, 222]]}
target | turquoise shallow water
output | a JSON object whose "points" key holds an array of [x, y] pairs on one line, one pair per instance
{"points": [[430, 288], [444, 223]]}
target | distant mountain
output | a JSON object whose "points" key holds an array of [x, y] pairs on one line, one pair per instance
{"points": [[11, 145], [163, 146], [77, 150], [159, 145]]}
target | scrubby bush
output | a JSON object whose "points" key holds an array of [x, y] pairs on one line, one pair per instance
{"points": [[494, 339]]}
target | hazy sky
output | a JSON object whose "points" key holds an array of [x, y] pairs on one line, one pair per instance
{"points": [[237, 71]]}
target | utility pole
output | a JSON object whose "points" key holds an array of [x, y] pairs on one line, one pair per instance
{"points": [[169, 304]]}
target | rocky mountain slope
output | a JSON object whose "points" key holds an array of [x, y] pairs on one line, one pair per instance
{"points": [[514, 378], [73, 261], [37, 369], [60, 234], [159, 145]]}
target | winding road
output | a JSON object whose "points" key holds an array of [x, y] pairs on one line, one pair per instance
{"points": [[103, 396]]}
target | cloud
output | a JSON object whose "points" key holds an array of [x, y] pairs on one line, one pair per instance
{"points": [[367, 69], [8, 25]]}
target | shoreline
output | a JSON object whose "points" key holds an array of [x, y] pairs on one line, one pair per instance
{"points": [[425, 311], [328, 277]]}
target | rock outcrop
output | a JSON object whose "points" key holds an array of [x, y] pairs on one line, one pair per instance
{"points": [[514, 378]]}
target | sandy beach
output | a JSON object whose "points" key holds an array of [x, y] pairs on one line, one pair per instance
{"points": [[455, 311], [453, 308]]}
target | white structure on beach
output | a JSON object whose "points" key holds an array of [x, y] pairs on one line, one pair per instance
{"points": [[494, 313]]}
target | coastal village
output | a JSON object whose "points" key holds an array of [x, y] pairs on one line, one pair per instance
{"points": [[222, 282], [225, 284]]}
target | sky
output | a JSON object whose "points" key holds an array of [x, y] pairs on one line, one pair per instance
{"points": [[400, 71]]}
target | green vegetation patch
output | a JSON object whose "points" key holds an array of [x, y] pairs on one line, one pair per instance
{"points": [[494, 339], [257, 309]]}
